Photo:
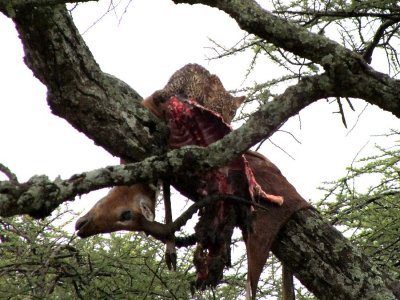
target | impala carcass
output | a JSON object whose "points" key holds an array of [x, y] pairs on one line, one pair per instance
{"points": [[193, 119]]}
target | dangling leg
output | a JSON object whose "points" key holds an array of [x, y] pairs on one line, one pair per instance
{"points": [[249, 295], [287, 284], [170, 250]]}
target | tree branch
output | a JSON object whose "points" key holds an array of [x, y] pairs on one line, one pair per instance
{"points": [[79, 91], [109, 112], [252, 18], [377, 37], [339, 14], [318, 255], [351, 75], [39, 196], [11, 176]]}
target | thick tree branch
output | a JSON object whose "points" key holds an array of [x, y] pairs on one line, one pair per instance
{"points": [[40, 196], [252, 18], [318, 255], [79, 91], [271, 115]]}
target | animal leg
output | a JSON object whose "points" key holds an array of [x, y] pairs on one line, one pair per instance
{"points": [[249, 295], [170, 250], [287, 284]]}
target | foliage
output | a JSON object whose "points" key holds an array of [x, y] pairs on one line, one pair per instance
{"points": [[362, 26], [369, 214], [40, 260]]}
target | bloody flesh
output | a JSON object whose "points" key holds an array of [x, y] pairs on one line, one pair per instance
{"points": [[192, 124]]}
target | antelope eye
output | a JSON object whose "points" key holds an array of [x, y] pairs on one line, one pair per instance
{"points": [[125, 215]]}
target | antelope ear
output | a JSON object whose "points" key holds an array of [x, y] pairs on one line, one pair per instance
{"points": [[152, 106], [146, 210], [239, 100]]}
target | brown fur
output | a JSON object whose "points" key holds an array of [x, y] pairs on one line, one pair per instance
{"points": [[105, 216], [266, 224]]}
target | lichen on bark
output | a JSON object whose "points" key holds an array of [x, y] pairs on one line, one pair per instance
{"points": [[326, 262]]}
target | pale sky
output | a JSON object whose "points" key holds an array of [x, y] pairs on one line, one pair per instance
{"points": [[143, 47]]}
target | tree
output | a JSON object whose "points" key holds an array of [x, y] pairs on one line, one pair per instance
{"points": [[369, 213], [39, 261], [91, 101]]}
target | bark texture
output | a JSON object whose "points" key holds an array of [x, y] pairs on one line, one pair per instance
{"points": [[79, 91], [326, 262]]}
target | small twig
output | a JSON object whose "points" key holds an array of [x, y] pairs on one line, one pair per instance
{"points": [[260, 144], [13, 178], [232, 50], [350, 104], [358, 119], [279, 147], [111, 7], [291, 134], [163, 232], [341, 111]]}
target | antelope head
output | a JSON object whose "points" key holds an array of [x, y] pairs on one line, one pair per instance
{"points": [[123, 208]]}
